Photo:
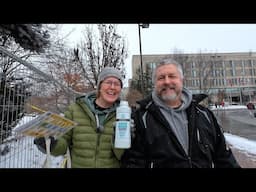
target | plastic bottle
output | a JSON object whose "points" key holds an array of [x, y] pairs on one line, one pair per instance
{"points": [[122, 132]]}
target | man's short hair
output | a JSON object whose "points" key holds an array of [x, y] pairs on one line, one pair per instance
{"points": [[168, 61]]}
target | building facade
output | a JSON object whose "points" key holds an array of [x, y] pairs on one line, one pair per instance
{"points": [[228, 77]]}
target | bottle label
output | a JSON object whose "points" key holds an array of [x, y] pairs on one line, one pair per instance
{"points": [[122, 127], [122, 135]]}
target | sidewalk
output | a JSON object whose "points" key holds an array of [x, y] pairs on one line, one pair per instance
{"points": [[244, 159]]}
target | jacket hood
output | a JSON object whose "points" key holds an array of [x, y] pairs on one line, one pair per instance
{"points": [[186, 99], [199, 97], [100, 115], [89, 100]]}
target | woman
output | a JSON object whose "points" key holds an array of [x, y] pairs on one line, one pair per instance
{"points": [[91, 141]]}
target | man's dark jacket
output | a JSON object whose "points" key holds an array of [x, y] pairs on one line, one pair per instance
{"points": [[156, 145]]}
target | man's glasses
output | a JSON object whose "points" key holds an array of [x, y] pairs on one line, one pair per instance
{"points": [[110, 83]]}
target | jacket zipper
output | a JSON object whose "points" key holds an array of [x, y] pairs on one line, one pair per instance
{"points": [[97, 145], [191, 125]]}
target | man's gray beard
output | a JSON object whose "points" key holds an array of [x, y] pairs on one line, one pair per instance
{"points": [[172, 97]]}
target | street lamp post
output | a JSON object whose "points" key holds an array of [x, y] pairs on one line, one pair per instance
{"points": [[141, 62]]}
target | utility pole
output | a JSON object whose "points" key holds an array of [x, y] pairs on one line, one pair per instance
{"points": [[141, 62]]}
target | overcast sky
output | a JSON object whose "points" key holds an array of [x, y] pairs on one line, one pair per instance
{"points": [[189, 38]]}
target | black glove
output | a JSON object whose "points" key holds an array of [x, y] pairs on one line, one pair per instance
{"points": [[40, 143]]}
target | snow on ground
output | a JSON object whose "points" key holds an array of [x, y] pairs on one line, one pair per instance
{"points": [[241, 143], [228, 107]]}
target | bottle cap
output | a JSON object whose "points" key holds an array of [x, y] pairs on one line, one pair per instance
{"points": [[124, 103]]}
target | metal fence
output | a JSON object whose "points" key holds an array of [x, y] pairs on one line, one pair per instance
{"points": [[21, 86]]}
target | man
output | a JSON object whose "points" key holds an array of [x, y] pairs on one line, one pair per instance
{"points": [[173, 130]]}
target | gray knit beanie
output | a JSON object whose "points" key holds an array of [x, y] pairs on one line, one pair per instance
{"points": [[109, 72]]}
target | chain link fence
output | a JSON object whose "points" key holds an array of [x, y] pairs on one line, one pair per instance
{"points": [[23, 85]]}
